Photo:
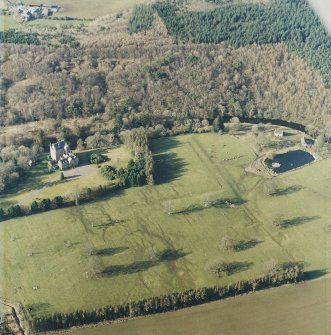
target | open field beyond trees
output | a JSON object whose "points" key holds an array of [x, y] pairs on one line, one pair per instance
{"points": [[88, 9], [44, 258], [299, 309]]}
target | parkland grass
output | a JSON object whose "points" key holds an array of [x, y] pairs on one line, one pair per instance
{"points": [[47, 274], [301, 309]]}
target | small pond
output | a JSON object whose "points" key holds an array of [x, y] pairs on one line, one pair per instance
{"points": [[289, 160]]}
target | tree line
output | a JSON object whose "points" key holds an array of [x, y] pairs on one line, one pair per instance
{"points": [[289, 273], [76, 198]]}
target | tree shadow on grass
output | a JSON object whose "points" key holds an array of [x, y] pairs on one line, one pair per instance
{"points": [[108, 224], [163, 145], [125, 269], [246, 244], [288, 190], [115, 192], [288, 134], [168, 255], [37, 308], [110, 251], [314, 274], [298, 220], [218, 203], [168, 167], [139, 266], [72, 177], [235, 267]]}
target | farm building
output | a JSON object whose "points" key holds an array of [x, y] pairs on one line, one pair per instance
{"points": [[279, 132], [61, 154], [32, 11]]}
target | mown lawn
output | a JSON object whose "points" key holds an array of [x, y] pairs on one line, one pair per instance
{"points": [[46, 273]]}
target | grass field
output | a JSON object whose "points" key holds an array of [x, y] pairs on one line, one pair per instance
{"points": [[300, 309], [42, 272], [78, 9], [88, 9]]}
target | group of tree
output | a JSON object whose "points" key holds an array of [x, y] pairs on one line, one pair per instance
{"points": [[132, 175], [14, 163], [137, 141], [35, 207], [139, 170], [17, 37], [278, 275], [77, 197], [46, 204]]}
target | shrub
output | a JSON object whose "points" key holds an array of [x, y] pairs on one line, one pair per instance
{"points": [[45, 204], [217, 267], [57, 202], [34, 207], [98, 158], [14, 211]]}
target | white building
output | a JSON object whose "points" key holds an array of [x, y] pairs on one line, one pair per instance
{"points": [[279, 132]]}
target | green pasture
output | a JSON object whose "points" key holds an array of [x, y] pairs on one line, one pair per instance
{"points": [[83, 9], [297, 309], [78, 9], [9, 22], [44, 258]]}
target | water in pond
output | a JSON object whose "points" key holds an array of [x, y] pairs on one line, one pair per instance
{"points": [[289, 161]]}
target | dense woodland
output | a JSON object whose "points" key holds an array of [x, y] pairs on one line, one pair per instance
{"points": [[158, 85], [288, 21]]}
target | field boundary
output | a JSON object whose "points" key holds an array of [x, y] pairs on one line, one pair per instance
{"points": [[285, 274]]}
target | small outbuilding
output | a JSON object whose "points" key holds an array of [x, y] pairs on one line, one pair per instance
{"points": [[278, 132]]}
